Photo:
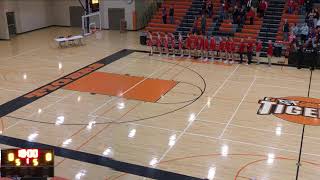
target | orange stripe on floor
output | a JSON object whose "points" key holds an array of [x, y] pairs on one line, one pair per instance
{"points": [[149, 90]]}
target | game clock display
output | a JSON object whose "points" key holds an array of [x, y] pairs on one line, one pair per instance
{"points": [[27, 163]]}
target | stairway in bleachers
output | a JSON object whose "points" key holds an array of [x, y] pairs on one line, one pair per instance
{"points": [[195, 11], [293, 18], [180, 6], [271, 22], [188, 20], [248, 30]]}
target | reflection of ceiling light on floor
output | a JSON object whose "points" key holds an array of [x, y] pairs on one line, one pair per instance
{"points": [[172, 140], [224, 150], [153, 162], [60, 65], [107, 152], [278, 131], [79, 98], [80, 174], [33, 136], [25, 76], [211, 173], [121, 105], [132, 133], [66, 142], [91, 124], [209, 102], [39, 111], [192, 117], [59, 120], [270, 158]]}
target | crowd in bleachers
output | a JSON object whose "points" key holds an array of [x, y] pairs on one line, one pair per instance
{"points": [[294, 33], [306, 34]]}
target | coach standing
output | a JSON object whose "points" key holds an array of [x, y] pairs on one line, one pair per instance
{"points": [[171, 14], [164, 15]]}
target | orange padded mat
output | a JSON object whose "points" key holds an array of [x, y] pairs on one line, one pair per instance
{"points": [[130, 87]]}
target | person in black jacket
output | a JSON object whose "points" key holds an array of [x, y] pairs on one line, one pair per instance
{"points": [[210, 9], [171, 14], [164, 15], [286, 30]]}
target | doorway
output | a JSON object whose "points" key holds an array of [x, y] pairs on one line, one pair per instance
{"points": [[114, 17], [11, 24], [76, 13]]}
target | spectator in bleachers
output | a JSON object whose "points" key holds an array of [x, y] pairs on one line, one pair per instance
{"points": [[262, 7], [318, 23], [251, 15], [308, 6], [164, 15], [210, 9], [195, 26], [292, 37], [301, 7], [285, 30], [203, 7], [242, 16], [249, 4], [235, 15], [304, 32], [315, 17], [171, 14], [290, 6], [203, 24], [295, 30]]}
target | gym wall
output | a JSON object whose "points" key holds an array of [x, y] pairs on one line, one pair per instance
{"points": [[34, 14]]}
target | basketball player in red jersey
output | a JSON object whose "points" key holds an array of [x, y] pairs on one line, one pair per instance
{"points": [[206, 48], [241, 50], [212, 47], [200, 46], [195, 45], [159, 42], [232, 48], [173, 44], [180, 44], [227, 51], [188, 45], [166, 44], [222, 45]]}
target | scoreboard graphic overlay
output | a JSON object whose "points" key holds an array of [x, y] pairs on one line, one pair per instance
{"points": [[27, 163]]}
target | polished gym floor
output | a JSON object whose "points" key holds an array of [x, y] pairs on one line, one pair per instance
{"points": [[134, 116]]}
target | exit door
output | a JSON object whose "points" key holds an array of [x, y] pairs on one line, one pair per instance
{"points": [[11, 24]]}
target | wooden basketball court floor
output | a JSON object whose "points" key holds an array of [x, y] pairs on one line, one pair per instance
{"points": [[205, 126]]}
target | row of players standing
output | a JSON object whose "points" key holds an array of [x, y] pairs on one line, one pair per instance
{"points": [[207, 48]]}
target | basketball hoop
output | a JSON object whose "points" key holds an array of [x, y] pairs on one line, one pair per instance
{"points": [[95, 23], [93, 28]]}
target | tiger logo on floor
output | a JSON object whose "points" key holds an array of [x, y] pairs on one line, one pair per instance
{"points": [[301, 110]]}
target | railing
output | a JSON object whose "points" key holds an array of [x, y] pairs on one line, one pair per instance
{"points": [[144, 17]]}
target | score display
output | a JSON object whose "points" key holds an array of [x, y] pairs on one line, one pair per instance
{"points": [[27, 163]]}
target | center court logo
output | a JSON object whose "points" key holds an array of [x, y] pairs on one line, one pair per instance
{"points": [[295, 109]]}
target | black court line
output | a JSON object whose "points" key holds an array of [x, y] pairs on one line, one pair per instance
{"points": [[42, 91], [302, 134]]}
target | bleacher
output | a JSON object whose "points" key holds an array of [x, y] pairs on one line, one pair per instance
{"points": [[180, 9]]}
